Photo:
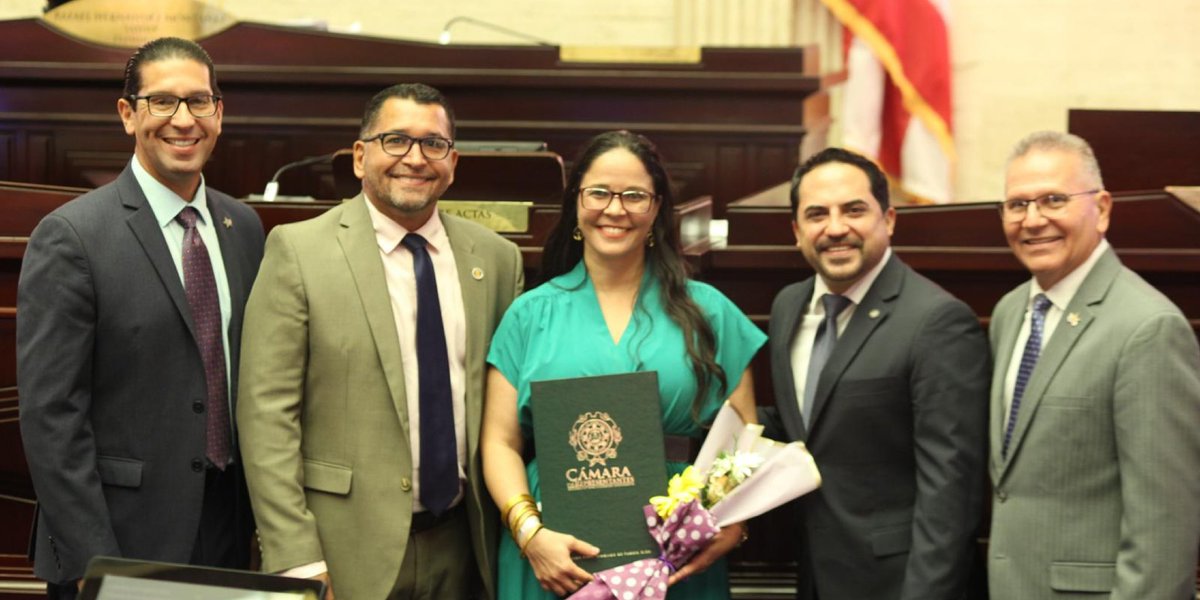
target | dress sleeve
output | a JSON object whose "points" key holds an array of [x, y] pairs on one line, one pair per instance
{"points": [[738, 338], [508, 348]]}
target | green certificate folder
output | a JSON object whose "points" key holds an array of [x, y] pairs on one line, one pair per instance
{"points": [[600, 458]]}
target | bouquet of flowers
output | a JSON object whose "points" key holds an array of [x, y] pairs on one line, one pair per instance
{"points": [[737, 475]]}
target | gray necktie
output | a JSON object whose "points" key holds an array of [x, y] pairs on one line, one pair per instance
{"points": [[827, 334]]}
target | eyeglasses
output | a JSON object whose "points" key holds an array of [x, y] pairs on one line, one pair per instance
{"points": [[1049, 205], [633, 201], [165, 105], [398, 144]]}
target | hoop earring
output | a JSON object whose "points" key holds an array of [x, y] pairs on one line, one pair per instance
{"points": [[577, 235], [650, 239]]}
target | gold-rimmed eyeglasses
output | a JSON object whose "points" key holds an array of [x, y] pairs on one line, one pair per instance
{"points": [[1049, 205], [432, 147], [633, 201], [165, 105]]}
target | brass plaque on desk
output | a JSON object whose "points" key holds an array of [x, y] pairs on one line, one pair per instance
{"points": [[501, 217], [128, 24]]}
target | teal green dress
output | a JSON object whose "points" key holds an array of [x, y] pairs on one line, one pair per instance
{"points": [[557, 330]]}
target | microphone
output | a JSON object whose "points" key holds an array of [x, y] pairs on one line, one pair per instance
{"points": [[272, 189], [444, 37]]}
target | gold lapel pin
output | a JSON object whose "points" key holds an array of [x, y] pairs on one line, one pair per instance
{"points": [[227, 222], [477, 273], [874, 314], [1073, 319]]}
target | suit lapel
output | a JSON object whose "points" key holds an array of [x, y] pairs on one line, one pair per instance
{"points": [[784, 333], [472, 278], [357, 239], [1092, 292], [873, 311], [1006, 326], [235, 276], [148, 233]]}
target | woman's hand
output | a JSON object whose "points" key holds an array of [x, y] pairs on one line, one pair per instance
{"points": [[725, 540], [549, 554]]}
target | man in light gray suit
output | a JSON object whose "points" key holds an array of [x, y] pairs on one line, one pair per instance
{"points": [[1095, 403]]}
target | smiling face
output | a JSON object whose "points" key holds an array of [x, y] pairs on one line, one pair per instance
{"points": [[407, 188], [1053, 247], [172, 149], [614, 233], [839, 225]]}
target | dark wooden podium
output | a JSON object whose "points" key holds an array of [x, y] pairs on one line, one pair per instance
{"points": [[728, 125]]}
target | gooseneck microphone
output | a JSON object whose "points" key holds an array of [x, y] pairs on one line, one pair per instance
{"points": [[272, 189]]}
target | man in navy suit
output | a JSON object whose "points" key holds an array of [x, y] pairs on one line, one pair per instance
{"points": [[884, 376], [129, 318]]}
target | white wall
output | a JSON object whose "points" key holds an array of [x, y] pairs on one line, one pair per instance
{"points": [[1018, 64]]}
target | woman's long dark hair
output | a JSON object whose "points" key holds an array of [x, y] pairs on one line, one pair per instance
{"points": [[665, 258]]}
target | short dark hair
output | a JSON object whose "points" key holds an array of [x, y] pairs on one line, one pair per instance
{"points": [[879, 184], [163, 49], [417, 92]]}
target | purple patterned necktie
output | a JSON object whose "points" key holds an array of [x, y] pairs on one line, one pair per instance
{"points": [[201, 289], [439, 449], [1033, 348]]}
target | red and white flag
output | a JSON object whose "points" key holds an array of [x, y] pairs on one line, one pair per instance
{"points": [[897, 98]]}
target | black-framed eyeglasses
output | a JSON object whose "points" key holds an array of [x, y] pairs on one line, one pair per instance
{"points": [[1049, 205], [433, 147], [633, 201], [165, 105]]}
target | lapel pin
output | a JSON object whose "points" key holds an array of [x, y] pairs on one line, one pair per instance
{"points": [[227, 222], [874, 314], [1073, 319], [477, 273]]}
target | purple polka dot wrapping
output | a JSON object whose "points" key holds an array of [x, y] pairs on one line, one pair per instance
{"points": [[679, 538]]}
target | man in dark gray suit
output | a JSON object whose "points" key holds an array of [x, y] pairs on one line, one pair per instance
{"points": [[884, 376], [129, 317], [1095, 404]]}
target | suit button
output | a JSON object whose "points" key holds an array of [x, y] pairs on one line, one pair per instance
{"points": [[197, 465], [1001, 495], [197, 407], [405, 484]]}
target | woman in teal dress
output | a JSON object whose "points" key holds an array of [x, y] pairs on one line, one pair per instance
{"points": [[616, 299]]}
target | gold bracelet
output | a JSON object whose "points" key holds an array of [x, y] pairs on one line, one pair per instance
{"points": [[516, 527], [530, 538], [522, 514], [513, 502]]}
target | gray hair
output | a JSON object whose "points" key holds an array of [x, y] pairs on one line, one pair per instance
{"points": [[1043, 141]]}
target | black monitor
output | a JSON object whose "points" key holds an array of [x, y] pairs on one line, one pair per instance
{"points": [[123, 579]]}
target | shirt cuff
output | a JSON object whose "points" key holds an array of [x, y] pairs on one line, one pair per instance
{"points": [[306, 571]]}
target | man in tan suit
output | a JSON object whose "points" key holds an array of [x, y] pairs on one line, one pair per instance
{"points": [[355, 404], [1095, 418]]}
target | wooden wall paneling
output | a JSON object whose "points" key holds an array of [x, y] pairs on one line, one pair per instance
{"points": [[1141, 149]]}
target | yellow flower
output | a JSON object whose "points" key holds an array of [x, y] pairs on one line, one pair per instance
{"points": [[682, 488]]}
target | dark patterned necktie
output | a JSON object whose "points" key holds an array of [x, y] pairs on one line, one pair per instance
{"points": [[1033, 348], [827, 334], [439, 450], [201, 289]]}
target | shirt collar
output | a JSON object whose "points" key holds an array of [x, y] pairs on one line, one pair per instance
{"points": [[1061, 293], [855, 293], [388, 233], [165, 203]]}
